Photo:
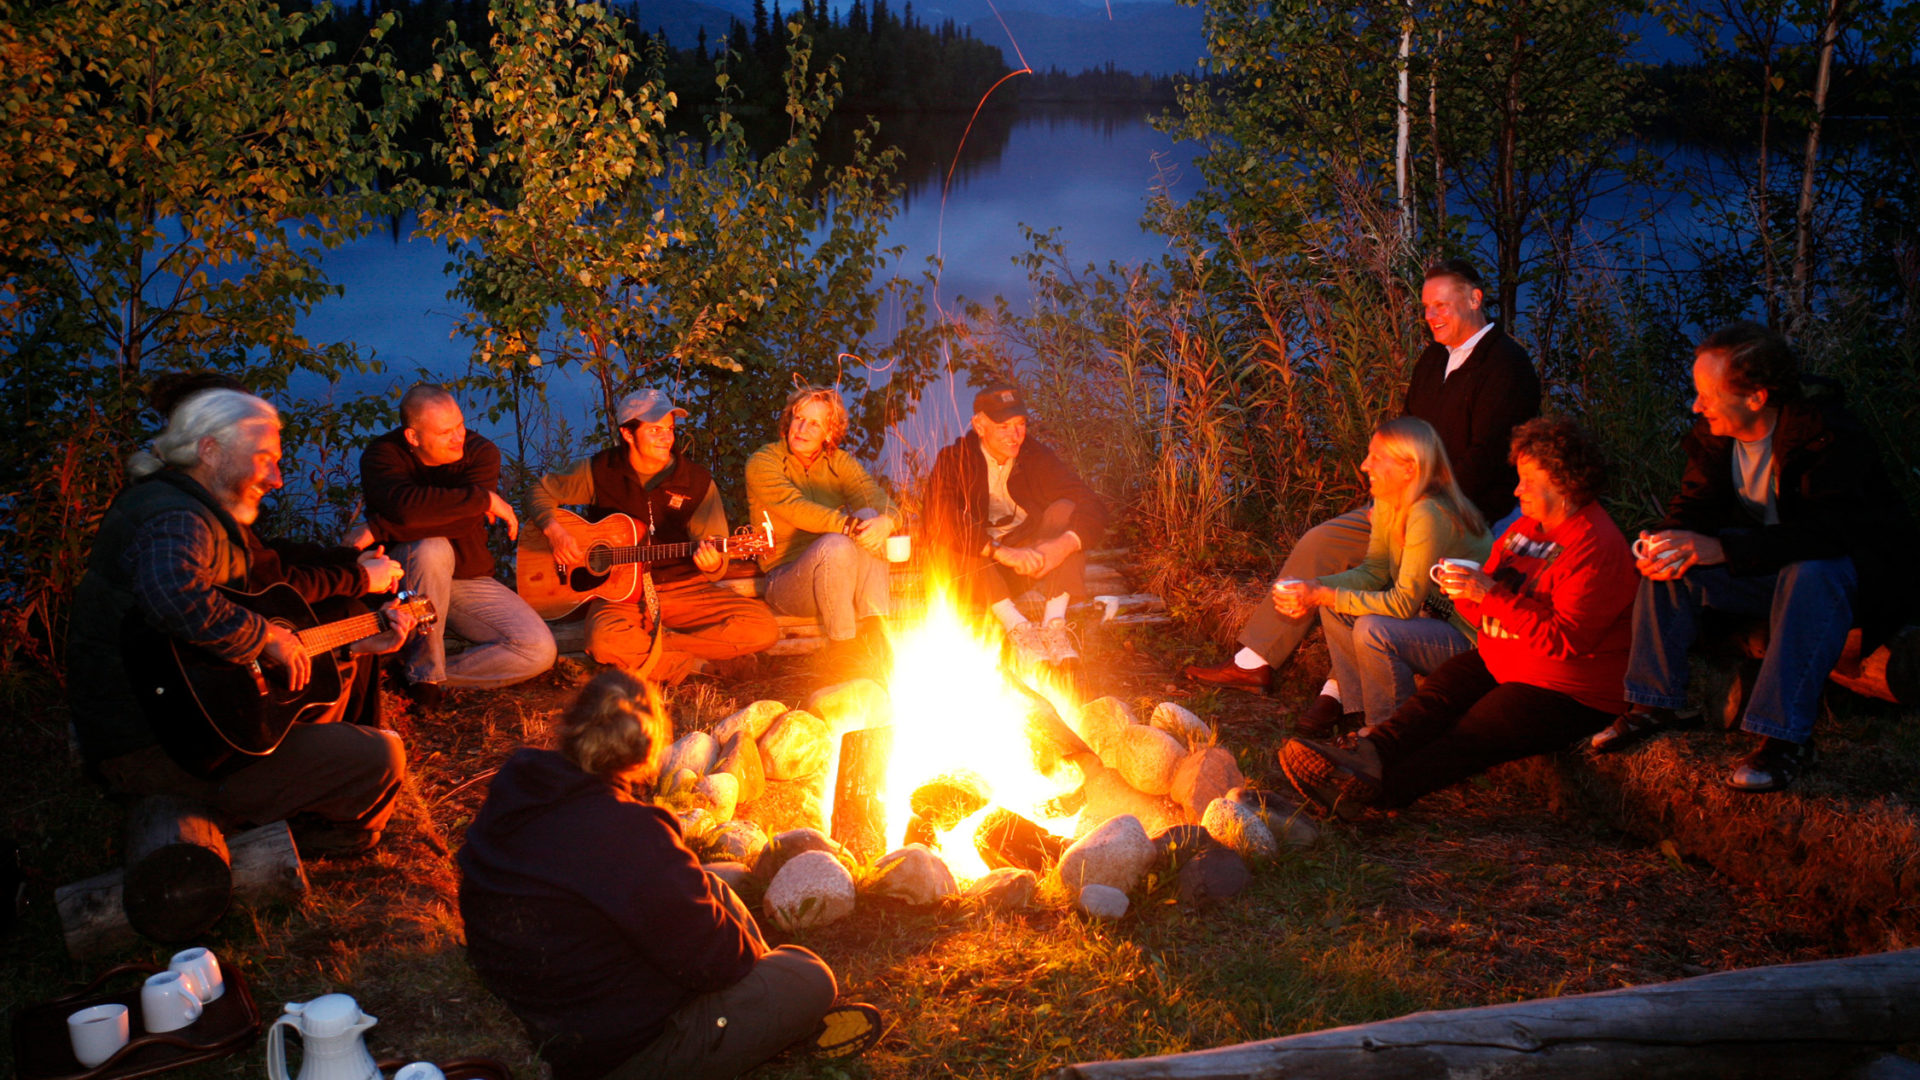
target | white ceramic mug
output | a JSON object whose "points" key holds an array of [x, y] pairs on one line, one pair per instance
{"points": [[169, 1001], [899, 549], [420, 1070], [1646, 547], [98, 1031], [1439, 570], [205, 970]]}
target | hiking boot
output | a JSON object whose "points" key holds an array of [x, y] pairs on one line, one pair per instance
{"points": [[1632, 726], [846, 1031], [1341, 780], [1058, 641], [1029, 645], [1772, 765], [1234, 677]]}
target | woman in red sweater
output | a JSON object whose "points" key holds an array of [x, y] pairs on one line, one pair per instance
{"points": [[1553, 608]]}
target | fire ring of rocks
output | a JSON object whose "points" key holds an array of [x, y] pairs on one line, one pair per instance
{"points": [[871, 793]]}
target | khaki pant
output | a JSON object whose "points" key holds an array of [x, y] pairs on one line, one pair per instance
{"points": [[725, 1033], [703, 621], [1328, 548]]}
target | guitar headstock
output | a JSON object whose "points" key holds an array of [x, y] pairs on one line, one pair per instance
{"points": [[418, 605], [748, 542]]}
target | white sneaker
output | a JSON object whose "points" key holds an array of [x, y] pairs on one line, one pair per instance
{"points": [[1029, 645], [1059, 643]]}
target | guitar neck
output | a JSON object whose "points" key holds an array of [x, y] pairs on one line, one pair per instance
{"points": [[329, 636], [651, 553]]}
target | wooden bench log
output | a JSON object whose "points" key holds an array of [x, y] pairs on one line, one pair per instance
{"points": [[265, 869], [1829, 1018], [179, 874]]}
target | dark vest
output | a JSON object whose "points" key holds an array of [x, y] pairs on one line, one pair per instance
{"points": [[107, 718], [665, 508]]}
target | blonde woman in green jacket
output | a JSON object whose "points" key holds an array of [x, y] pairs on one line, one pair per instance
{"points": [[1385, 620]]}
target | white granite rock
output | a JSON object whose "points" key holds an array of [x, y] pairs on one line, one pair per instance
{"points": [[1110, 796], [849, 706], [795, 746], [673, 784], [1203, 776], [812, 889], [914, 874], [735, 874], [695, 824], [1237, 826], [1284, 817], [1180, 722], [1115, 854], [754, 720], [1147, 758], [719, 793], [1102, 902], [694, 752], [739, 841], [789, 844], [1007, 889], [1100, 723]]}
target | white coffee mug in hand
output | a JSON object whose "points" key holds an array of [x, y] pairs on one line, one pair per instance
{"points": [[899, 547], [169, 1001], [420, 1070], [1441, 569], [204, 969], [97, 1032]]}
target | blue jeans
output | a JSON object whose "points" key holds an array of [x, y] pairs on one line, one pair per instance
{"points": [[1375, 657], [834, 580], [510, 642], [1809, 609]]}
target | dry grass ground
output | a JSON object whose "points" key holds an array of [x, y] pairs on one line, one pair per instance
{"points": [[1521, 885]]}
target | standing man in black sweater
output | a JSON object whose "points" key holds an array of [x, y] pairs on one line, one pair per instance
{"points": [[1474, 384], [431, 490]]}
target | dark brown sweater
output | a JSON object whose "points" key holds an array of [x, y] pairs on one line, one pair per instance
{"points": [[1475, 411], [408, 501]]}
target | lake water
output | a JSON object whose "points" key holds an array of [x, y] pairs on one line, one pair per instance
{"points": [[1089, 173]]}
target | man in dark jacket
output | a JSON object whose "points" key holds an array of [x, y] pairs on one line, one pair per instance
{"points": [[431, 490], [1784, 512], [587, 914], [1474, 384], [1005, 514], [167, 547]]}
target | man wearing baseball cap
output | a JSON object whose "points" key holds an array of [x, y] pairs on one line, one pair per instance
{"points": [[676, 502], [1005, 514]]}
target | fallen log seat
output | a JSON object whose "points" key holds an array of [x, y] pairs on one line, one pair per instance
{"points": [[181, 876], [1889, 673], [1833, 1018]]}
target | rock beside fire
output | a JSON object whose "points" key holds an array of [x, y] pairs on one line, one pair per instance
{"points": [[1115, 854], [946, 801], [1101, 722], [735, 874], [1103, 902], [1212, 876], [1284, 817], [738, 841], [913, 874], [1110, 796], [795, 746], [717, 793], [1006, 889], [1005, 839], [788, 845], [1204, 776], [696, 824], [849, 705], [1237, 826], [753, 720], [812, 889], [740, 759], [1146, 758], [1175, 847], [694, 752], [1182, 724]]}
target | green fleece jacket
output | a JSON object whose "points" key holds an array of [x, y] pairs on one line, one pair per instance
{"points": [[807, 502], [1402, 547]]}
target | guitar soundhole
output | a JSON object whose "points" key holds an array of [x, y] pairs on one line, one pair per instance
{"points": [[599, 560]]}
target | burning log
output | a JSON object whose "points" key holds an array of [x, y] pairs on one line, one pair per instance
{"points": [[1007, 839], [860, 792]]}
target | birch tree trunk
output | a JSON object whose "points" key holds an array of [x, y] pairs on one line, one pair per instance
{"points": [[1803, 218]]}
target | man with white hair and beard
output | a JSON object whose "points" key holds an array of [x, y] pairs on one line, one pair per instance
{"points": [[178, 535]]}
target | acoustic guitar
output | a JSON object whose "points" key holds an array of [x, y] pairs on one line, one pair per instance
{"points": [[614, 556], [213, 715]]}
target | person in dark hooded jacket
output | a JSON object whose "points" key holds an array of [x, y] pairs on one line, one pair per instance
{"points": [[587, 914]]}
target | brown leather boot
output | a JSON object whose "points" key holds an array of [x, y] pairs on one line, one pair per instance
{"points": [[1231, 675]]}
